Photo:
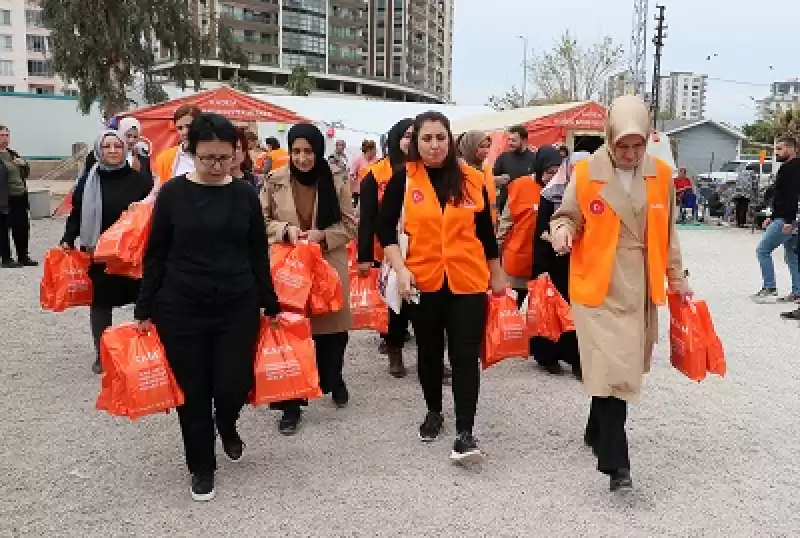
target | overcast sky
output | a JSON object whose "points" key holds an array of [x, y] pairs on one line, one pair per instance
{"points": [[747, 36]]}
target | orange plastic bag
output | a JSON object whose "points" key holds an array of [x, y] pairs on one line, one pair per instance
{"points": [[715, 353], [366, 305], [126, 240], [65, 280], [292, 274], [137, 380], [120, 268], [688, 349], [326, 295], [505, 335], [286, 364], [547, 313]]}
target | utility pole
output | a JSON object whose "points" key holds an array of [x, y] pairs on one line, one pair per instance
{"points": [[524, 69], [658, 41]]}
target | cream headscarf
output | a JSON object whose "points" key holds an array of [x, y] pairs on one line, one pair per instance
{"points": [[627, 115], [468, 144]]}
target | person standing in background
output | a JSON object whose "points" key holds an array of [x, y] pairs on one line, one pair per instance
{"points": [[14, 216], [176, 161], [274, 157], [778, 228], [517, 162], [242, 165], [138, 150], [742, 192], [340, 157], [360, 167], [473, 147]]}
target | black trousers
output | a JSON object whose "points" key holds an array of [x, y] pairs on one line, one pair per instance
{"points": [[462, 318], [212, 356], [740, 210], [100, 319], [18, 222], [398, 327], [605, 432], [330, 349]]}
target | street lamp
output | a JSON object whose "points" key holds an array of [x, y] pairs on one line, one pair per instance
{"points": [[524, 67]]}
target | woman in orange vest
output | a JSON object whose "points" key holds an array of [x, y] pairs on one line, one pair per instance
{"points": [[274, 157], [617, 219], [441, 204], [370, 253], [176, 161], [473, 147]]}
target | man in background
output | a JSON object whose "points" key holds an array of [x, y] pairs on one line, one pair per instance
{"points": [[779, 227], [518, 161], [274, 156], [14, 216], [339, 156]]}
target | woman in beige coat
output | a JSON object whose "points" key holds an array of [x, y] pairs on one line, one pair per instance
{"points": [[306, 201], [617, 219]]}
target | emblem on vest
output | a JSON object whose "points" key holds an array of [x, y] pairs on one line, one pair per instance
{"points": [[597, 207], [417, 197]]}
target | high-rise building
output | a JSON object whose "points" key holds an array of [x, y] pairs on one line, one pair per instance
{"points": [[683, 95], [389, 49], [25, 50], [784, 96]]}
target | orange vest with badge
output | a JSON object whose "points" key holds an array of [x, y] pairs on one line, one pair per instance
{"points": [[491, 190], [595, 249], [280, 157], [524, 194], [443, 243], [165, 164], [382, 172]]}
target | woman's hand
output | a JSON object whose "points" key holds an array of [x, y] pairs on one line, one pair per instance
{"points": [[143, 325], [313, 236], [682, 289], [66, 246], [293, 234], [364, 268], [498, 281], [562, 240], [405, 283]]}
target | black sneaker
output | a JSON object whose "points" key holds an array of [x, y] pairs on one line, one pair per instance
{"points": [[465, 450], [233, 446], [9, 264], [794, 315], [791, 298], [553, 368], [430, 429], [621, 480], [383, 348], [766, 295], [28, 262], [290, 422], [202, 486], [577, 372], [341, 397]]}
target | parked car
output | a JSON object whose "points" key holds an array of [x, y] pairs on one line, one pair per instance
{"points": [[730, 172]]}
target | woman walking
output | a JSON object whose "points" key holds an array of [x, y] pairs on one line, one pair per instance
{"points": [[360, 166], [242, 164], [617, 218], [206, 278], [305, 201], [553, 171], [473, 147], [452, 258], [105, 191], [138, 151]]}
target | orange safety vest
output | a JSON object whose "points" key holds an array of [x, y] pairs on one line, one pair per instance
{"points": [[165, 164], [444, 243], [382, 172], [594, 250], [280, 157], [524, 194], [491, 190]]}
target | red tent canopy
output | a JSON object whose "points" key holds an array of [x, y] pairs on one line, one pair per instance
{"points": [[159, 130]]}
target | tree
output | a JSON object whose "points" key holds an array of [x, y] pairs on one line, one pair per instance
{"points": [[763, 132], [153, 91], [102, 46], [241, 83], [513, 99], [300, 82]]}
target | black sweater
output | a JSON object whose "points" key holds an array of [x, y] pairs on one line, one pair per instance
{"points": [[392, 208], [368, 208], [208, 249], [787, 191]]}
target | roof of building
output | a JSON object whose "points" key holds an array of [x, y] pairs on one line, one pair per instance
{"points": [[670, 127]]}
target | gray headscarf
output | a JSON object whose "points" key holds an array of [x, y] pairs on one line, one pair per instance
{"points": [[92, 202]]}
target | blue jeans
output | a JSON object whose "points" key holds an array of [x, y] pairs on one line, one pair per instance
{"points": [[772, 239]]}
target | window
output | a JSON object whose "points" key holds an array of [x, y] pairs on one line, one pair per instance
{"points": [[6, 68], [71, 93], [43, 90], [5, 43], [304, 22], [39, 68], [36, 43], [303, 43], [5, 17], [6, 89], [33, 18]]}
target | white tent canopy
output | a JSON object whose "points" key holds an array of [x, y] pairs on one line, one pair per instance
{"points": [[504, 119]]}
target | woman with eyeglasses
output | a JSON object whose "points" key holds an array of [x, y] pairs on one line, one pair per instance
{"points": [[108, 188], [206, 279]]}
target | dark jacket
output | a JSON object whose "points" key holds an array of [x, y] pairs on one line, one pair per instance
{"points": [[545, 259], [24, 171], [787, 191]]}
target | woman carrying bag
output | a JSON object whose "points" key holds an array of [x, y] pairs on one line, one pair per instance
{"points": [[442, 205], [305, 201], [107, 189], [617, 220]]}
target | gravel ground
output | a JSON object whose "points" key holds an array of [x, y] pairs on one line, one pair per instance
{"points": [[713, 459]]}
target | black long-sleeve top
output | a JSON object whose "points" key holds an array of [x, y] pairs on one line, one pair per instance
{"points": [[392, 208], [545, 259], [368, 209], [208, 248], [787, 191], [120, 188]]}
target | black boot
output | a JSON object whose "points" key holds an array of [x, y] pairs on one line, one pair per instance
{"points": [[396, 367], [620, 480]]}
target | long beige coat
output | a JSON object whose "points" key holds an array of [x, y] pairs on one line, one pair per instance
{"points": [[616, 339], [277, 203]]}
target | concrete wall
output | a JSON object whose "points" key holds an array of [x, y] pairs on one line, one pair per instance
{"points": [[46, 126], [696, 146]]}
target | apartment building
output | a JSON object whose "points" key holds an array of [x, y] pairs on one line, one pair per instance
{"points": [[386, 49], [683, 95], [25, 50], [784, 96]]}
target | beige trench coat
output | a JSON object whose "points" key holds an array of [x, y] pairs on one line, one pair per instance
{"points": [[616, 339], [277, 203]]}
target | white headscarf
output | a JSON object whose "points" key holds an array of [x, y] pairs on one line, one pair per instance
{"points": [[92, 201]]}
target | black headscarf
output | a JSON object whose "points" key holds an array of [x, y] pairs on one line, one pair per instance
{"points": [[328, 210], [546, 157], [396, 155]]}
